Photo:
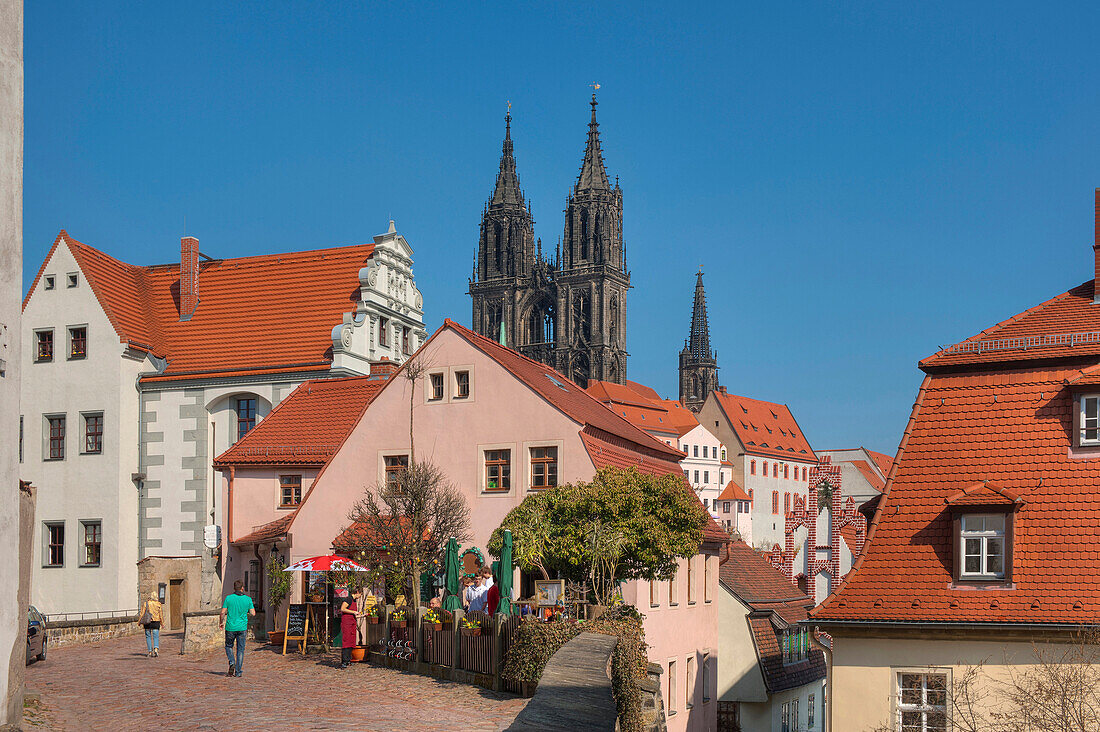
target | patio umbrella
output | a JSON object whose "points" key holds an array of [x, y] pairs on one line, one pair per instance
{"points": [[452, 581], [505, 575]]}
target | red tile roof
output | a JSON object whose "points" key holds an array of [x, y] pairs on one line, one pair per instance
{"points": [[749, 575], [1065, 326], [564, 395], [884, 462], [1009, 426], [765, 428], [308, 426], [255, 314], [359, 534], [641, 406], [268, 532], [983, 493], [733, 492], [869, 474], [610, 451], [774, 604]]}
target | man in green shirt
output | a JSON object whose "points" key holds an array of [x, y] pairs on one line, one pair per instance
{"points": [[238, 607]]}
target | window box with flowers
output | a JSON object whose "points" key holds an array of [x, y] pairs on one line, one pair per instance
{"points": [[371, 614], [399, 618], [433, 620], [471, 627]]}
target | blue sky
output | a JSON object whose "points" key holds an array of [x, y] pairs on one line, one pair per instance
{"points": [[862, 182]]}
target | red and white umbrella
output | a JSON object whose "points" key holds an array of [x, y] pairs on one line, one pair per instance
{"points": [[324, 564]]}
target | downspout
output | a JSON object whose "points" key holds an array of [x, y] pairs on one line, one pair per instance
{"points": [[259, 578], [726, 546]]}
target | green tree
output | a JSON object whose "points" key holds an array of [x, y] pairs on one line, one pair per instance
{"points": [[621, 525]]}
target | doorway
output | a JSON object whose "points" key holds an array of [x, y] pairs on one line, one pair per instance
{"points": [[176, 602]]}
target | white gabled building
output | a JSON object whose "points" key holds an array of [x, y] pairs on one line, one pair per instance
{"points": [[137, 376]]}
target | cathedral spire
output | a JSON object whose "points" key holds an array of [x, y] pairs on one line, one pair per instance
{"points": [[507, 191], [593, 175], [699, 344]]}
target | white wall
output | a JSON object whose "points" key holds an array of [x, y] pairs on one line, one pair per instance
{"points": [[12, 615], [81, 487], [767, 527]]}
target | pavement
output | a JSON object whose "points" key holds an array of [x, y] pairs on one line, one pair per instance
{"points": [[112, 685]]}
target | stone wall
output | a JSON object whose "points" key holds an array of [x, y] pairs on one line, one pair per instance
{"points": [[154, 570], [72, 632], [202, 631]]}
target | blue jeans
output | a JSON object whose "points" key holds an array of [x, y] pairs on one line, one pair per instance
{"points": [[152, 638], [231, 637]]}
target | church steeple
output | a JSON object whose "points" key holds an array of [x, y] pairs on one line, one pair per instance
{"points": [[698, 364], [593, 175], [507, 191]]}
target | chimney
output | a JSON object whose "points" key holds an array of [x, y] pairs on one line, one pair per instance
{"points": [[383, 369], [1096, 248], [189, 276]]}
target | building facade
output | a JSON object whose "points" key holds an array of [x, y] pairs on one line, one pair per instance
{"points": [[569, 313], [501, 426], [139, 376], [770, 454], [981, 563], [698, 363]]}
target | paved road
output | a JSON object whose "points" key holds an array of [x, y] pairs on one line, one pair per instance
{"points": [[113, 686]]}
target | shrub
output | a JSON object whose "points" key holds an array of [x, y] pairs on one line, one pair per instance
{"points": [[535, 642]]}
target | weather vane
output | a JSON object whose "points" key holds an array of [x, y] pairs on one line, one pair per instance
{"points": [[509, 106], [594, 86]]}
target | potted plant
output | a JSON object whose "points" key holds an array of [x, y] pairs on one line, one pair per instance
{"points": [[433, 619], [279, 584], [471, 627], [371, 614], [399, 618], [358, 653]]}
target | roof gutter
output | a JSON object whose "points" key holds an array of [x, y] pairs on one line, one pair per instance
{"points": [[941, 624]]}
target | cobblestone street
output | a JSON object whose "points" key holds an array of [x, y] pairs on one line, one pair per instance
{"points": [[113, 686]]}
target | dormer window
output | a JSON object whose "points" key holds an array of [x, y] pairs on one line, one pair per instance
{"points": [[982, 543], [1090, 420]]}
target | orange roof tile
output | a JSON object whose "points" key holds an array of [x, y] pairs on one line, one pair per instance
{"points": [[566, 396], [254, 313], [765, 428], [733, 492], [269, 531], [884, 462], [308, 426], [641, 406], [1010, 426], [1063, 326], [983, 493], [869, 474]]}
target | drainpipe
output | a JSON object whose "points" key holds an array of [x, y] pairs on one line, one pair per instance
{"points": [[725, 546]]}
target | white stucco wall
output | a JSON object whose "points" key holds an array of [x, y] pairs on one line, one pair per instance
{"points": [[12, 614], [739, 676], [81, 487]]}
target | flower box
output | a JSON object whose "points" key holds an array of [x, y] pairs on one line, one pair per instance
{"points": [[398, 623], [275, 637], [372, 619], [471, 632], [434, 626]]}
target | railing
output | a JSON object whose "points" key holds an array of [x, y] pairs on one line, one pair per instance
{"points": [[1024, 342], [450, 652], [94, 615]]}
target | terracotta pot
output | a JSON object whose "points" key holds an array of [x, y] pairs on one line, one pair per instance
{"points": [[471, 632], [358, 653], [434, 626], [275, 637], [398, 623]]}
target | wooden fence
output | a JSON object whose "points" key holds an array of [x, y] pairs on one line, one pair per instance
{"points": [[450, 653]]}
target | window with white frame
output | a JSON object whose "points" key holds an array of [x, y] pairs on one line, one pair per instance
{"points": [[705, 668], [1090, 420], [435, 387], [810, 700], [689, 682], [671, 687], [794, 713], [922, 702], [785, 717], [982, 542]]}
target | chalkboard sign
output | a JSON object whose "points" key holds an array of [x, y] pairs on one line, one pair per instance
{"points": [[297, 625]]}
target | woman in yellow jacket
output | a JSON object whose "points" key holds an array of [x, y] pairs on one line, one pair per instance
{"points": [[151, 616]]}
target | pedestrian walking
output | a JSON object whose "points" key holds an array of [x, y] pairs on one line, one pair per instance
{"points": [[349, 627], [236, 610], [151, 616]]}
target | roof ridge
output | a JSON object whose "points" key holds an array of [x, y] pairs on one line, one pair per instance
{"points": [[253, 258]]}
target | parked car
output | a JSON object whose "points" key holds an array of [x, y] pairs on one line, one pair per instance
{"points": [[36, 635]]}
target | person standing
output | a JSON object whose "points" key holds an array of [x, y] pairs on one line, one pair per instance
{"points": [[151, 616], [236, 610], [349, 627], [492, 595]]}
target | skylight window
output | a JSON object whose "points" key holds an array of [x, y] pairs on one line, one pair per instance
{"points": [[557, 383]]}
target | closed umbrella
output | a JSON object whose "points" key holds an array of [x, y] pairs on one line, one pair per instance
{"points": [[505, 575], [453, 580]]}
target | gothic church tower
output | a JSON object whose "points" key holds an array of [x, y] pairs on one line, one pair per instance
{"points": [[511, 283], [698, 364], [592, 278]]}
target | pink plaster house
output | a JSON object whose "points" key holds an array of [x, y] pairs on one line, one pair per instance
{"points": [[479, 402]]}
